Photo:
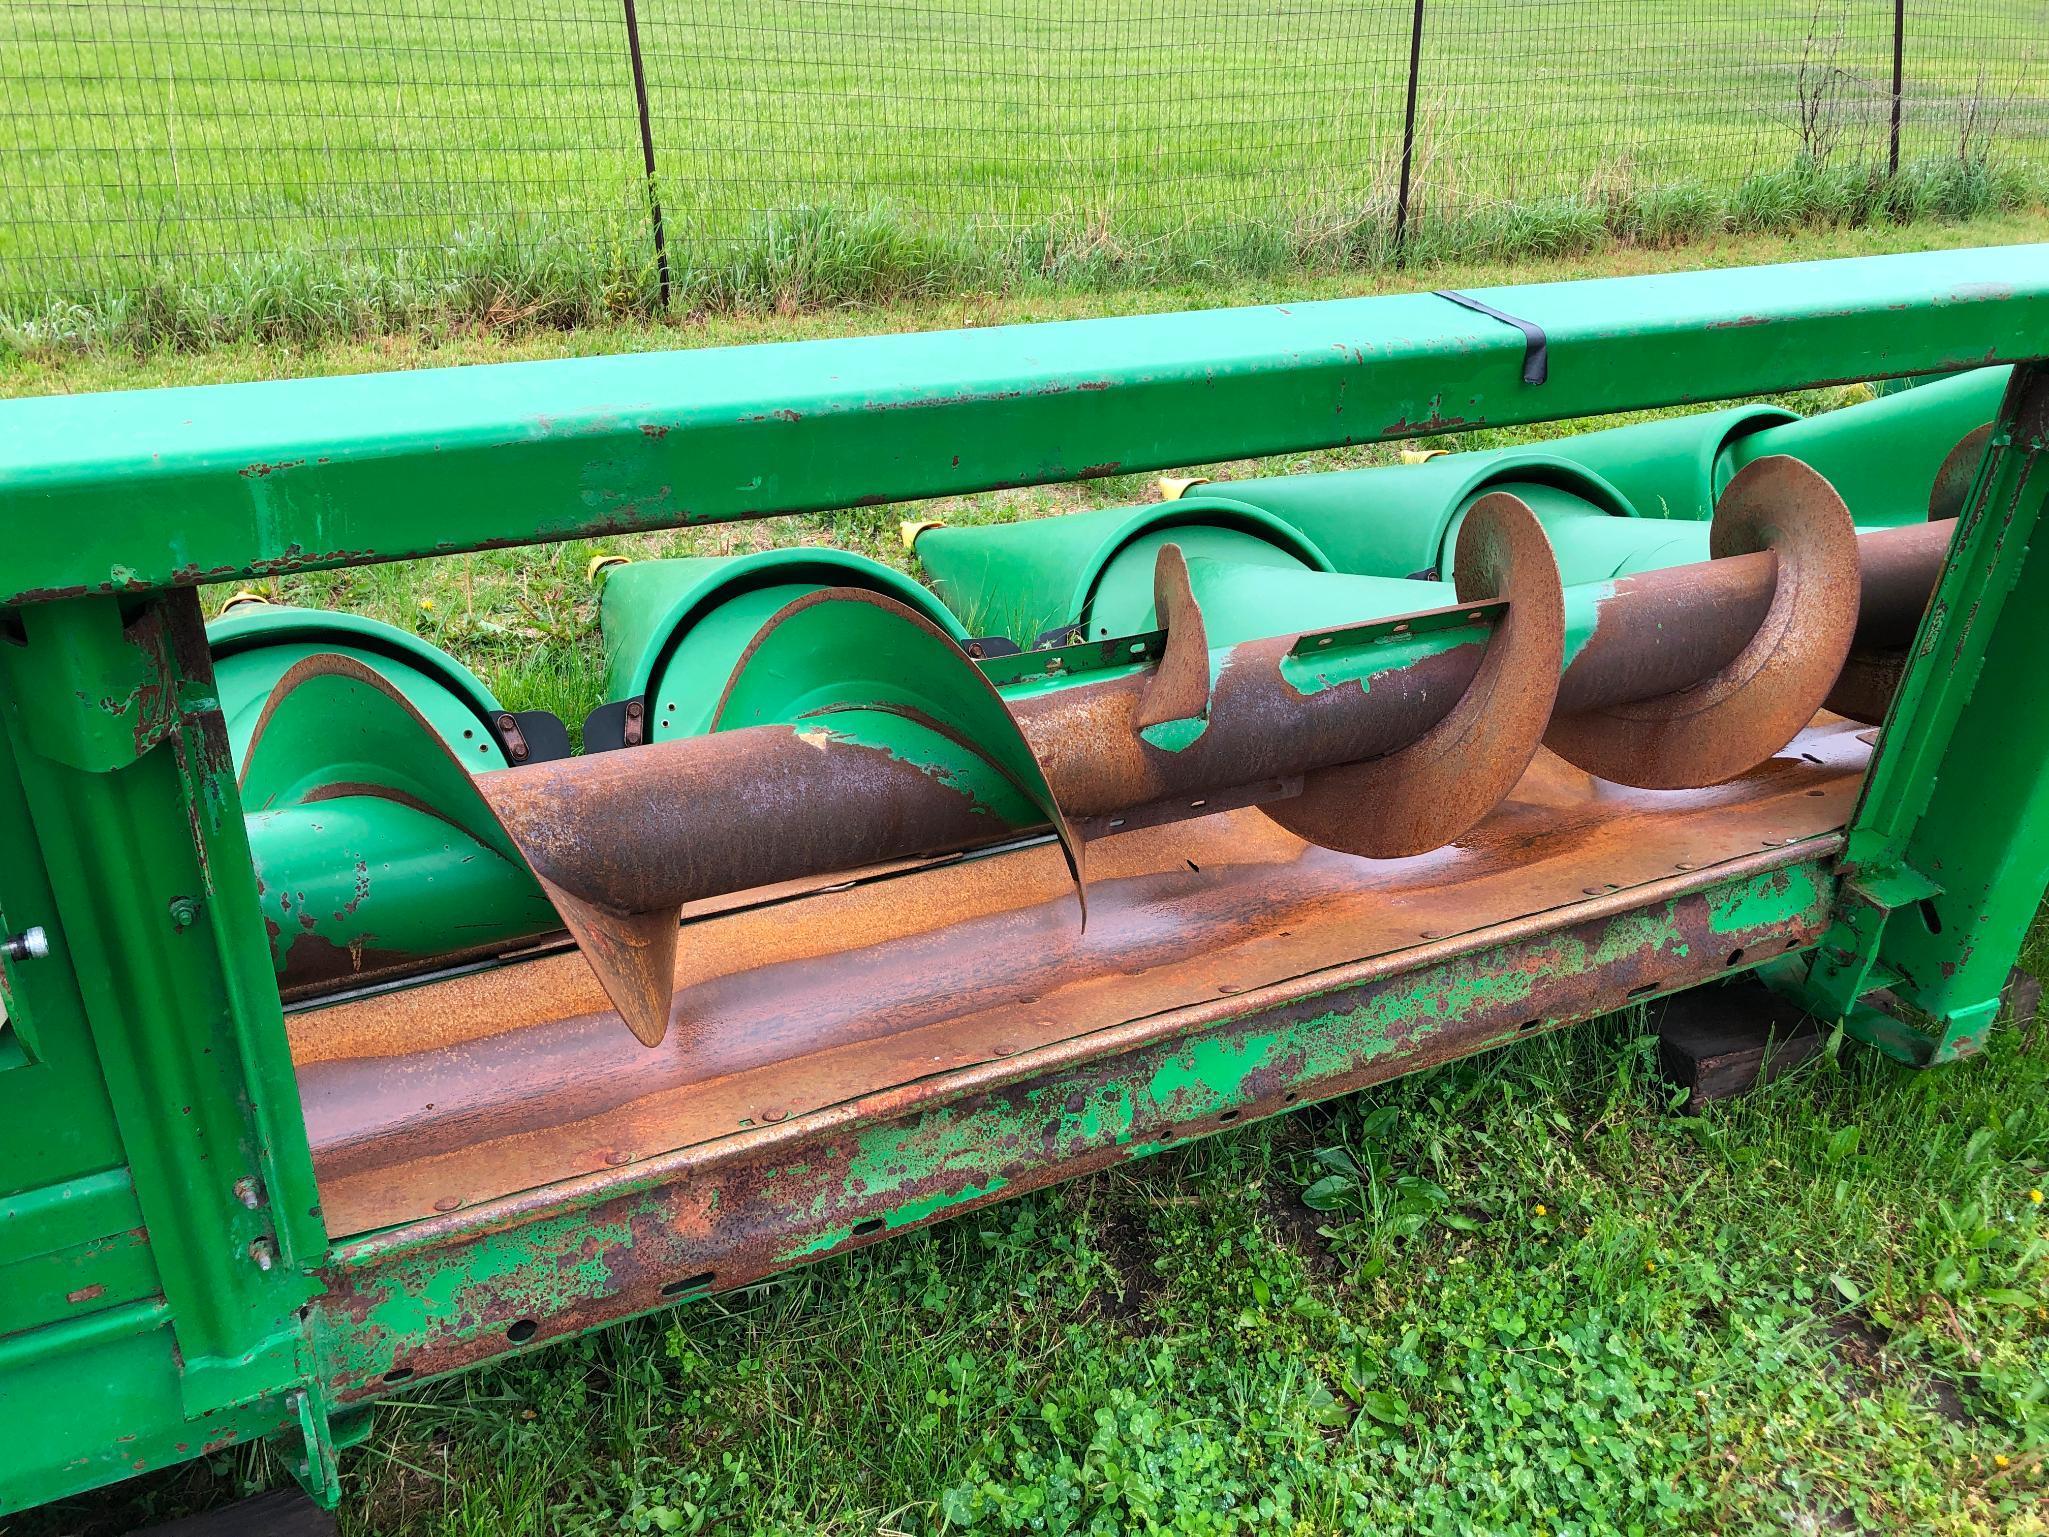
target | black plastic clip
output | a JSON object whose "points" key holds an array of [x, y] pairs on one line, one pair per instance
{"points": [[1536, 348]]}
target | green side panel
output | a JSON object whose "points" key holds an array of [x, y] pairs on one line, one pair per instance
{"points": [[95, 1401], [1673, 467], [158, 1217], [254, 644], [1882, 456], [1949, 849], [56, 1121], [1396, 520], [674, 629], [1021, 579], [72, 1249]]}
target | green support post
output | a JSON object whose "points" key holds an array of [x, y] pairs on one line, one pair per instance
{"points": [[1949, 850], [114, 727]]}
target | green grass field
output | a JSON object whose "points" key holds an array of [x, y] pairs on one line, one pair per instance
{"points": [[186, 172], [1525, 1294]]}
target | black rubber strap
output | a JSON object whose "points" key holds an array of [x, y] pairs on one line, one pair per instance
{"points": [[1536, 354]]}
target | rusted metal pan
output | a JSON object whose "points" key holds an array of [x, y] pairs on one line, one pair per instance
{"points": [[883, 1156], [804, 1003]]}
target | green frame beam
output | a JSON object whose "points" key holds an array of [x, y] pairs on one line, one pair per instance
{"points": [[161, 488], [1949, 849]]}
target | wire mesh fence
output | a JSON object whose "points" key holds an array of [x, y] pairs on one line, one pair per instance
{"points": [[151, 142]]}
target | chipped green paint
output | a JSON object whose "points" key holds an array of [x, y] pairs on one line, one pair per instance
{"points": [[1175, 735], [1356, 662], [536, 1269], [1583, 603], [906, 1215], [1179, 735], [1738, 908]]}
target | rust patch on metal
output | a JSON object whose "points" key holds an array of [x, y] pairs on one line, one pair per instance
{"points": [[799, 1005], [897, 1153], [1751, 707], [1953, 480], [1436, 787], [1179, 688]]}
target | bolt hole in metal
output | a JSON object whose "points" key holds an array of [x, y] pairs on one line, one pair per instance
{"points": [[1930, 918], [398, 1374], [1527, 1026], [689, 1283], [1642, 990], [1290, 1097], [522, 1331], [1735, 957], [866, 1226], [1228, 1115]]}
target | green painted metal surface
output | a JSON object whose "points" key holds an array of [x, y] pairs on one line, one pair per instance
{"points": [[1949, 850], [1673, 467], [155, 1159], [254, 644], [1882, 457], [1398, 520], [165, 1284], [675, 629], [102, 493], [1020, 579], [370, 846]]}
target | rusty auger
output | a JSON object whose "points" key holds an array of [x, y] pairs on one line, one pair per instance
{"points": [[1073, 839], [854, 732]]}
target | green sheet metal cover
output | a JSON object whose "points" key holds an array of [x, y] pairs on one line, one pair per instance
{"points": [[255, 644], [1242, 602], [1672, 467], [675, 629], [862, 668], [1396, 520], [368, 836], [1020, 579], [1593, 545], [1883, 456]]}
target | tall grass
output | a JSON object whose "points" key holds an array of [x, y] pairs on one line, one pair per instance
{"points": [[825, 257]]}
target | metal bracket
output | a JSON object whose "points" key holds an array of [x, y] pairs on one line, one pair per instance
{"points": [[532, 736], [611, 726]]}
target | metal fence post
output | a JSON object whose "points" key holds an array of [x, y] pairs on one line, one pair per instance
{"points": [[647, 153], [1899, 59], [1401, 202]]}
